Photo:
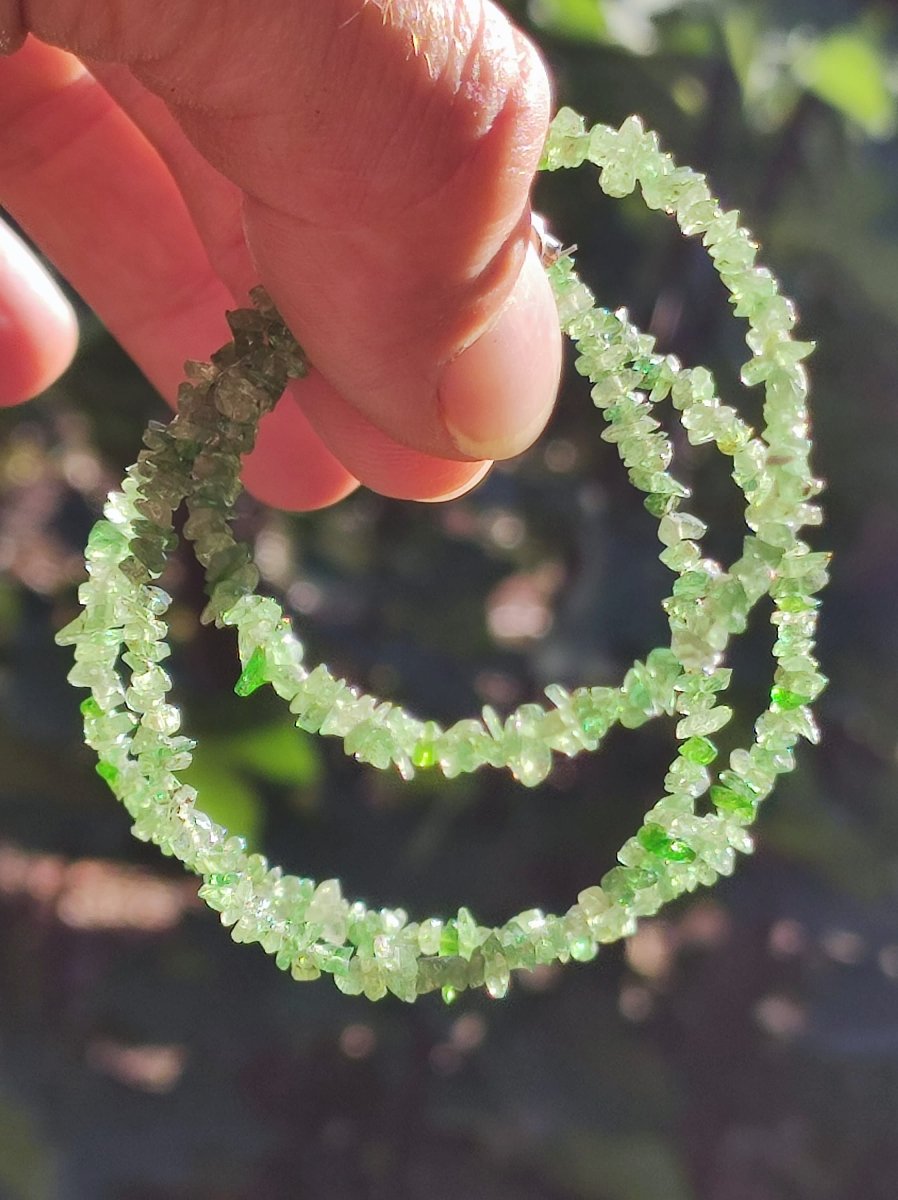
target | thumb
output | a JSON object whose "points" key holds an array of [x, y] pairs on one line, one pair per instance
{"points": [[385, 149]]}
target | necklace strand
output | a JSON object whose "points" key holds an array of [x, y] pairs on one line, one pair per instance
{"points": [[689, 838]]}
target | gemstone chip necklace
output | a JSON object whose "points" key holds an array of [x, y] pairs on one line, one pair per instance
{"points": [[690, 837]]}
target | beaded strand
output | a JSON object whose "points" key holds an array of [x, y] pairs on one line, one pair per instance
{"points": [[685, 840]]}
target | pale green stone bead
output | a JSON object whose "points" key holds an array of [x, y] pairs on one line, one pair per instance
{"points": [[329, 911], [798, 673], [688, 187], [740, 840], [747, 301], [152, 682], [369, 742], [734, 255], [686, 778], [249, 609], [646, 902], [255, 627], [164, 718], [810, 568], [698, 690], [593, 903], [633, 854], [462, 748], [581, 944], [801, 724], [521, 747], [100, 654], [773, 730], [143, 628], [796, 631], [712, 851], [532, 923], [138, 702], [429, 934], [286, 680], [618, 178], [316, 697], [724, 227], [348, 711], [100, 678], [680, 526], [562, 728], [470, 936], [612, 925], [113, 724], [698, 649], [774, 533], [699, 216], [119, 510], [558, 731], [706, 422], [756, 569], [602, 144], [567, 142], [690, 388], [655, 180], [681, 557]]}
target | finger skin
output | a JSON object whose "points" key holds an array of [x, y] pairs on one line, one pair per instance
{"points": [[105, 209], [385, 154]]}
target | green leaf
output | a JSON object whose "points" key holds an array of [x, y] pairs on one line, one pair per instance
{"points": [[627, 23], [581, 19], [740, 34], [224, 771], [848, 71], [224, 793], [277, 753]]}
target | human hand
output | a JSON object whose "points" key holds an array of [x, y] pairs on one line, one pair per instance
{"points": [[367, 161]]}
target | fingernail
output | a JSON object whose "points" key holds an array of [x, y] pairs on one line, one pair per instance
{"points": [[38, 327], [496, 397], [468, 486]]}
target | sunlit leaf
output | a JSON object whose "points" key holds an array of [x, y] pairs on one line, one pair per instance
{"points": [[631, 22], [581, 19], [740, 34], [627, 23], [848, 71], [278, 753], [225, 793]]}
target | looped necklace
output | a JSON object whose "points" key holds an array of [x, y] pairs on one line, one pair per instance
{"points": [[690, 837]]}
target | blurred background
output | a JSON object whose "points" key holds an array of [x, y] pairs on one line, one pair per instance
{"points": [[743, 1046]]}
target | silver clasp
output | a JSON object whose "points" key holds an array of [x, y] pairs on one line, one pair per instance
{"points": [[549, 248]]}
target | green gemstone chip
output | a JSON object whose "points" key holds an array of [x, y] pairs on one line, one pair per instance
{"points": [[699, 750], [254, 674], [108, 772]]}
